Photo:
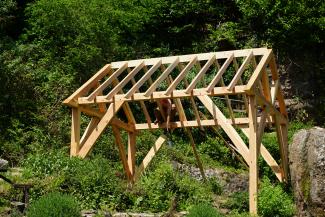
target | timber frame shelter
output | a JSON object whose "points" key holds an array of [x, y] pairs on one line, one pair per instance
{"points": [[208, 83]]}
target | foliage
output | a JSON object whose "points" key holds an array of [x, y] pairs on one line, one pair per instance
{"points": [[238, 201], [49, 48], [216, 186], [218, 151], [273, 201], [163, 185], [91, 184], [54, 205], [203, 210]]}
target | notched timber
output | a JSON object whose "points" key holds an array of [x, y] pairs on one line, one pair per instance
{"points": [[217, 91]]}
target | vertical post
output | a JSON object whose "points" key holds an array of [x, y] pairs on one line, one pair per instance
{"points": [[121, 149], [131, 152], [284, 132], [253, 155], [281, 132], [75, 132]]}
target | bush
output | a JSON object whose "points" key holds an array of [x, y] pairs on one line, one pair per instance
{"points": [[54, 205], [216, 186], [203, 210], [238, 201], [273, 201], [95, 183], [163, 185]]}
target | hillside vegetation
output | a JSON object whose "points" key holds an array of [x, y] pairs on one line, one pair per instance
{"points": [[49, 48]]}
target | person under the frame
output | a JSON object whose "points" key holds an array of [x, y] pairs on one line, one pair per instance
{"points": [[168, 111]]}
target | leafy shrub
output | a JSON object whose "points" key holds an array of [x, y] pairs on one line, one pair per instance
{"points": [[164, 185], [217, 150], [216, 186], [274, 202], [203, 210], [238, 201], [94, 182], [54, 205]]}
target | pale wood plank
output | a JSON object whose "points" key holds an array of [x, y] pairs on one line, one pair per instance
{"points": [[162, 77], [283, 143], [227, 127], [275, 76], [266, 85], [75, 132], [146, 76], [180, 76], [187, 58], [262, 101], [107, 82], [121, 149], [131, 152], [221, 71], [218, 91], [200, 74], [274, 91], [240, 71], [268, 158], [120, 124], [125, 80], [196, 111], [259, 69], [152, 152], [90, 127], [193, 123], [101, 106], [89, 84], [231, 112], [106, 119], [253, 152], [231, 147], [241, 82], [182, 116], [143, 106]]}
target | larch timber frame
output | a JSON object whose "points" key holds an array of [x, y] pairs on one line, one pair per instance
{"points": [[250, 75]]}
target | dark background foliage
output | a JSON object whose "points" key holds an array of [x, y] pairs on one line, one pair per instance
{"points": [[49, 48]]}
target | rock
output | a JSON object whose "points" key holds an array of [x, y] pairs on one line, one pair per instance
{"points": [[231, 182], [88, 213], [3, 164], [307, 170]]}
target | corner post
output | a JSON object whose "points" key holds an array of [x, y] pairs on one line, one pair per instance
{"points": [[253, 155], [131, 152], [75, 132]]}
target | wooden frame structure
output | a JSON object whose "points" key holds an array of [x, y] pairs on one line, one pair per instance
{"points": [[207, 83]]}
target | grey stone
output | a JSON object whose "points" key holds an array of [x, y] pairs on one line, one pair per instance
{"points": [[3, 164], [307, 170], [88, 213], [231, 182]]}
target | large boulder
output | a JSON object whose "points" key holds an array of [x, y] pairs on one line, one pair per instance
{"points": [[307, 170]]}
